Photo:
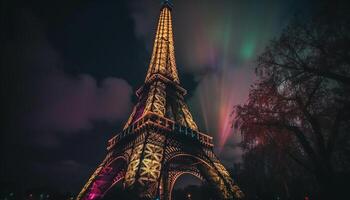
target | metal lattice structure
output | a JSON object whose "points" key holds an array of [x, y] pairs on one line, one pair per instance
{"points": [[160, 140]]}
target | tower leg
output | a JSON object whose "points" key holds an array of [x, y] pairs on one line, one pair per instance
{"points": [[206, 167], [109, 173], [145, 166], [219, 176]]}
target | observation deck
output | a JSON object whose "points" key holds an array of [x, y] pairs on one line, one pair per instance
{"points": [[151, 120]]}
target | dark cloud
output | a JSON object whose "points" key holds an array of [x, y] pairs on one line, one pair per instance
{"points": [[73, 104], [57, 122], [64, 103]]}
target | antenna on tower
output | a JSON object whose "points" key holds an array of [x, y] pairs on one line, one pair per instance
{"points": [[167, 3]]}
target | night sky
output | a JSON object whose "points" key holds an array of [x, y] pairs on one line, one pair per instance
{"points": [[69, 70]]}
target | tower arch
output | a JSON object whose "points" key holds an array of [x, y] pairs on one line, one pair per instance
{"points": [[202, 167], [178, 175]]}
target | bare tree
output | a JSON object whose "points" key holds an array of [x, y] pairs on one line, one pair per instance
{"points": [[301, 102]]}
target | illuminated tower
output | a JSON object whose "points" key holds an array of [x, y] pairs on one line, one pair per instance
{"points": [[160, 141]]}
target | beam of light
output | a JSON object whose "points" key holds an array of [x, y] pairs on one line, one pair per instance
{"points": [[225, 105], [219, 90], [203, 107], [224, 50], [226, 84], [216, 94]]}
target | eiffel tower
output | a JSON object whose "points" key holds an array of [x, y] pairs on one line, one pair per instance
{"points": [[160, 141]]}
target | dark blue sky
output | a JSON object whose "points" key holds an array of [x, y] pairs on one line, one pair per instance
{"points": [[70, 68]]}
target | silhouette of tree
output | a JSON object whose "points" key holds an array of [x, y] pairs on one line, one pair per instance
{"points": [[301, 103], [269, 174]]}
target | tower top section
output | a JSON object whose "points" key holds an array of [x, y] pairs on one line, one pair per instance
{"points": [[163, 55], [167, 3]]}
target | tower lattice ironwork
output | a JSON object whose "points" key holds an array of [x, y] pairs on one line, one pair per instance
{"points": [[160, 141]]}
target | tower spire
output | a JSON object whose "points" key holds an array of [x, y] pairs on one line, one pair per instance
{"points": [[167, 3], [163, 54]]}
